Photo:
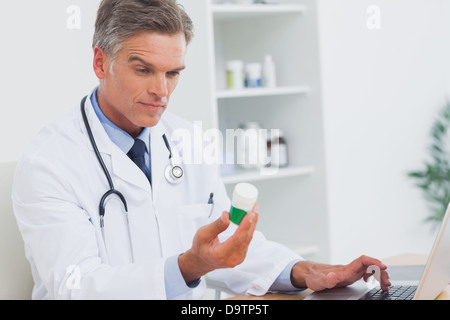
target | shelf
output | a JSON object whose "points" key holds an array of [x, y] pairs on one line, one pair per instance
{"points": [[262, 92], [233, 11], [242, 175]]}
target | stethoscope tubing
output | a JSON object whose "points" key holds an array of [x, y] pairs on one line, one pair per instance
{"points": [[112, 190], [170, 176]]}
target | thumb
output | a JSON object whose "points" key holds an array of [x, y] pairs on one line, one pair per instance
{"points": [[213, 229]]}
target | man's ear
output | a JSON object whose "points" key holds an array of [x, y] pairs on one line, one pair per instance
{"points": [[101, 63]]}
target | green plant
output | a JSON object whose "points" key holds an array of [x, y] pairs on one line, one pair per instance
{"points": [[434, 178]]}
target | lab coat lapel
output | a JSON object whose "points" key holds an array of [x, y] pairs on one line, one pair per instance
{"points": [[160, 156], [120, 165]]}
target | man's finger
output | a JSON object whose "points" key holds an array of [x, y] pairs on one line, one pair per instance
{"points": [[384, 281], [368, 261], [246, 228], [251, 231], [241, 238], [255, 207], [212, 230]]}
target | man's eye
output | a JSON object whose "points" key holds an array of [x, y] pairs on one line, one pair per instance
{"points": [[173, 74], [142, 71]]}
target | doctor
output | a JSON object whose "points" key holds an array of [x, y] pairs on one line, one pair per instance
{"points": [[105, 206]]}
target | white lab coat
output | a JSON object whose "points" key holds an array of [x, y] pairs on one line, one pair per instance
{"points": [[56, 195]]}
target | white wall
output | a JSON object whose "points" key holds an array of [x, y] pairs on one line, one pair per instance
{"points": [[46, 68], [381, 92], [193, 97]]}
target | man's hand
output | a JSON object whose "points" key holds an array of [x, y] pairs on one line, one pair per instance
{"points": [[321, 276], [208, 253]]}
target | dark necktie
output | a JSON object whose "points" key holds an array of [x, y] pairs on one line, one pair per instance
{"points": [[137, 154]]}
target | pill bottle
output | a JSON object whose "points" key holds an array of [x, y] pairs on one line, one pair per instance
{"points": [[278, 150], [251, 150], [253, 73], [235, 74], [269, 78], [242, 202]]}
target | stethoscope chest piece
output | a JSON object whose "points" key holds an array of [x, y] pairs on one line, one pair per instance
{"points": [[174, 174]]}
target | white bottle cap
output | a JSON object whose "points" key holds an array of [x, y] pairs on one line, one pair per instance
{"points": [[235, 65], [254, 70], [244, 196], [276, 134]]}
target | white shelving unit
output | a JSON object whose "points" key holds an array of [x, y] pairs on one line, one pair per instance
{"points": [[232, 11], [262, 92], [292, 201], [256, 175]]}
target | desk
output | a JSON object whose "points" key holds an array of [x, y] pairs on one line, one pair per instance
{"points": [[404, 259]]}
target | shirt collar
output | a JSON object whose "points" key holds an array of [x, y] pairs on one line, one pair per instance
{"points": [[122, 139]]}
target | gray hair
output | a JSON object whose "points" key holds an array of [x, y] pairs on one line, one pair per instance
{"points": [[118, 20]]}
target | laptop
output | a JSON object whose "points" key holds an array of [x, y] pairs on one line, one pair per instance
{"points": [[407, 282]]}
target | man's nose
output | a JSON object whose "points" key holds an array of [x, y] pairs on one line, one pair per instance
{"points": [[158, 86]]}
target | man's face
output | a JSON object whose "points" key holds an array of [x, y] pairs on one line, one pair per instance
{"points": [[135, 89]]}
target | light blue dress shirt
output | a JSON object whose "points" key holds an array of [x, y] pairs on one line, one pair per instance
{"points": [[174, 281]]}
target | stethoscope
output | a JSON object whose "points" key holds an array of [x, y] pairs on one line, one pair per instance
{"points": [[174, 174]]}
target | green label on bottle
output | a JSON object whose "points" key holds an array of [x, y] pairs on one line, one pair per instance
{"points": [[236, 215], [230, 80]]}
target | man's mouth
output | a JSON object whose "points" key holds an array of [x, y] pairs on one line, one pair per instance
{"points": [[152, 105]]}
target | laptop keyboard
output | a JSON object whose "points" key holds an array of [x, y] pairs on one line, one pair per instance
{"points": [[394, 293]]}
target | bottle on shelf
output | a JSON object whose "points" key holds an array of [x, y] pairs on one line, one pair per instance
{"points": [[235, 74], [269, 78], [277, 150], [251, 150], [253, 75]]}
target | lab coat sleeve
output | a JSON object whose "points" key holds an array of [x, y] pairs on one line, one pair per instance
{"points": [[62, 247], [283, 282]]}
